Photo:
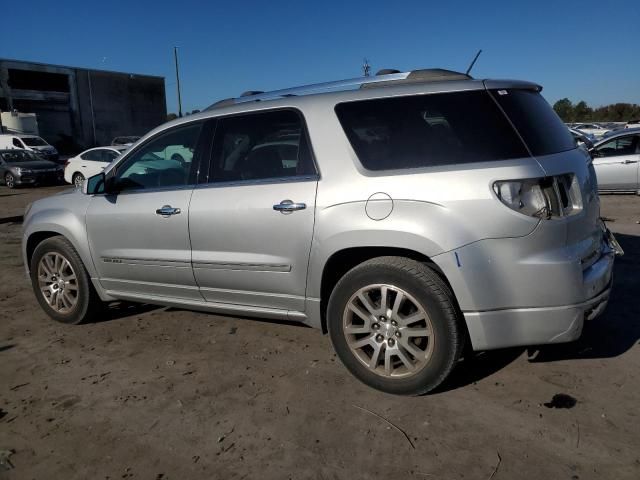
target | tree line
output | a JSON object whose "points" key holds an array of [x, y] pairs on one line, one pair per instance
{"points": [[581, 112]]}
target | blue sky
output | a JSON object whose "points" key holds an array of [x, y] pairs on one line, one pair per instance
{"points": [[580, 50]]}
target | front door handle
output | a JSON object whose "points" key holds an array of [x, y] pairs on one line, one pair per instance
{"points": [[627, 162], [167, 211], [287, 206]]}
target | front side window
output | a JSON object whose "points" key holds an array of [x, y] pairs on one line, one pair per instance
{"points": [[260, 146], [17, 143], [109, 155], [617, 147], [429, 130], [154, 165]]}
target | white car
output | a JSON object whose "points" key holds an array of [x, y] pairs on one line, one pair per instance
{"points": [[89, 163], [592, 129], [32, 143]]}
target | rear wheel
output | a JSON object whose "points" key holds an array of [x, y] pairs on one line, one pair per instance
{"points": [[78, 179], [9, 180], [394, 324], [61, 283]]}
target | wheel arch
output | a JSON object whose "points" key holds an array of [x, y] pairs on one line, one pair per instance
{"points": [[343, 260]]}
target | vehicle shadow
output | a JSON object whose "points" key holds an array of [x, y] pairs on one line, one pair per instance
{"points": [[618, 329], [610, 335], [118, 310]]}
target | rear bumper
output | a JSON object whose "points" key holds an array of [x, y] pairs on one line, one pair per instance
{"points": [[512, 298], [532, 326]]}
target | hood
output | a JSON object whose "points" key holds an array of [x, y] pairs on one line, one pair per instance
{"points": [[35, 165]]}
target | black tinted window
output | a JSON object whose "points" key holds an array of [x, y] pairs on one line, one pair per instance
{"points": [[540, 127], [260, 146], [428, 130], [92, 155]]}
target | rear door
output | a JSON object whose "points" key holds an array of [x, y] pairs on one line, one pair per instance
{"points": [[617, 162], [251, 222], [139, 235]]}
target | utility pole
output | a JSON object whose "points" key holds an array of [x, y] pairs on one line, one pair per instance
{"points": [[366, 68], [175, 55]]}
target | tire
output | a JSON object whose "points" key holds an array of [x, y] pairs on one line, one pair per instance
{"points": [[78, 178], [423, 335], [10, 181], [48, 267]]}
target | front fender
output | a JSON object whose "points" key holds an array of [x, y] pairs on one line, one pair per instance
{"points": [[63, 222]]}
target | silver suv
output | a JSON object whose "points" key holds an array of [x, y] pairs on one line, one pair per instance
{"points": [[406, 214]]}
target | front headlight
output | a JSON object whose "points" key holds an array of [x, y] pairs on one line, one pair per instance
{"points": [[23, 170]]}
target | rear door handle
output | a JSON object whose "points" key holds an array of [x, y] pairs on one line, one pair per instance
{"points": [[288, 206], [167, 211]]}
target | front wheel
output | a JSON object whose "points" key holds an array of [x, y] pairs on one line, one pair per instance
{"points": [[9, 180], [78, 179], [61, 283], [394, 324]]}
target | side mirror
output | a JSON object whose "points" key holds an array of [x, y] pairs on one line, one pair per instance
{"points": [[94, 185]]}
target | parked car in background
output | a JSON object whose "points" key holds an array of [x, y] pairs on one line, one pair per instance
{"points": [[583, 138], [632, 124], [125, 141], [89, 163], [29, 142], [591, 129], [409, 219], [616, 160], [24, 167]]}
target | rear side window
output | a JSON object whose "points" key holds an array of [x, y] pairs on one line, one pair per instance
{"points": [[537, 123], [429, 130], [261, 146]]}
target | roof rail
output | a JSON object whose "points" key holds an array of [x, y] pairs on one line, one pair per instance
{"points": [[379, 80]]}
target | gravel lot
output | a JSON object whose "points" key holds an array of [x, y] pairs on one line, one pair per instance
{"points": [[156, 393]]}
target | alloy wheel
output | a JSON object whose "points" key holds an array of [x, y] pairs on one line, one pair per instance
{"points": [[388, 330], [9, 181], [58, 283], [78, 180]]}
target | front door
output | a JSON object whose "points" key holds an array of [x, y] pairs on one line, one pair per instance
{"points": [[139, 234], [617, 163], [251, 224]]}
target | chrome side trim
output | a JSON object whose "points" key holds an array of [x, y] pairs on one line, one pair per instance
{"points": [[151, 262], [256, 267]]}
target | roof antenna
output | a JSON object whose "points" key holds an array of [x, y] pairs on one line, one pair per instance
{"points": [[473, 62], [366, 68]]}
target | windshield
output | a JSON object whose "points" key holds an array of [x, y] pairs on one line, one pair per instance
{"points": [[541, 129], [17, 156], [34, 142]]}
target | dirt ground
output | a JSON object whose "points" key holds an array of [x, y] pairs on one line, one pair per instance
{"points": [[157, 393]]}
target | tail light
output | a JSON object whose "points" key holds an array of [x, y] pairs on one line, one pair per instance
{"points": [[547, 197]]}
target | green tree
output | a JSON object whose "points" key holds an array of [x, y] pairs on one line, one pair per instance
{"points": [[582, 112], [564, 109]]}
